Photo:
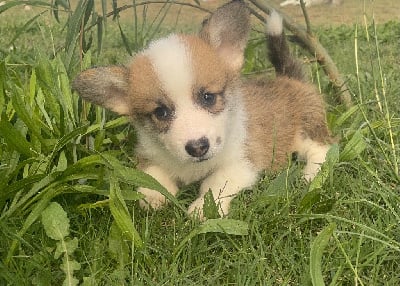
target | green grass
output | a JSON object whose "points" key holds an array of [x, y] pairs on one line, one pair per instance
{"points": [[343, 229]]}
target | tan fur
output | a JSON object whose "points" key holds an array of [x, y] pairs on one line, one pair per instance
{"points": [[144, 88], [281, 109], [204, 59], [146, 94]]}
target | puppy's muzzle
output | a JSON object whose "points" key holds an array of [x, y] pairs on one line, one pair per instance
{"points": [[197, 148]]}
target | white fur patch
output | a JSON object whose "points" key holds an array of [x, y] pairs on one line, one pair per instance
{"points": [[274, 24], [225, 184], [314, 153], [154, 198], [171, 61]]}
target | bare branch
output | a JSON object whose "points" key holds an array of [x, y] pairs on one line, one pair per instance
{"points": [[306, 18]]}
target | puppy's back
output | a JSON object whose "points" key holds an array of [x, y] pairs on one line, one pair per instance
{"points": [[278, 111]]}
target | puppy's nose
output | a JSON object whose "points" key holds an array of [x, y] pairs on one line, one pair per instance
{"points": [[197, 148]]}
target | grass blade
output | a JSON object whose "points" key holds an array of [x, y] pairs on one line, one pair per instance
{"points": [[138, 178], [74, 28], [354, 147], [14, 138], [121, 215], [317, 248]]}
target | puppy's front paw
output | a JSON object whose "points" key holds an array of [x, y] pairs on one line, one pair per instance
{"points": [[152, 199], [196, 209]]}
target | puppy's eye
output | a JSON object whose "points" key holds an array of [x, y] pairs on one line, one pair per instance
{"points": [[162, 113], [207, 99]]}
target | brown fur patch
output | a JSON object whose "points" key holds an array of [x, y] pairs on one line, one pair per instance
{"points": [[278, 111], [209, 71], [146, 93]]}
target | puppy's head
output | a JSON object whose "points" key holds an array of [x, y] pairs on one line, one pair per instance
{"points": [[180, 91]]}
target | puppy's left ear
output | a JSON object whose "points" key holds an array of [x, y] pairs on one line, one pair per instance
{"points": [[227, 31]]}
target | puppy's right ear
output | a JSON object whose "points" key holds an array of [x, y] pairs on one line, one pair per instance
{"points": [[105, 86]]}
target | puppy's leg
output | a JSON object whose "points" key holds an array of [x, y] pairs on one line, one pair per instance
{"points": [[154, 198], [314, 153], [225, 183]]}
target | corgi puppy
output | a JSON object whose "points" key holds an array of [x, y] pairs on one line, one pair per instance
{"points": [[198, 120]]}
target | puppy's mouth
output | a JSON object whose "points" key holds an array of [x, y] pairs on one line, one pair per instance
{"points": [[202, 159], [198, 160]]}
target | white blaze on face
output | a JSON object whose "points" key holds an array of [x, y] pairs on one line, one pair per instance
{"points": [[171, 60]]}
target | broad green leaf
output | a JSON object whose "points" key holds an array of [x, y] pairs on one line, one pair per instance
{"points": [[14, 138], [99, 140], [55, 221], [278, 187], [324, 206], [312, 203], [346, 115], [120, 121], [138, 178], [317, 248], [62, 162], [117, 245], [309, 200], [47, 83], [65, 140], [32, 87], [37, 210], [74, 25], [66, 246], [89, 281], [66, 97], [71, 281], [54, 9], [210, 208], [69, 266], [3, 78], [99, 34], [121, 214], [20, 185], [354, 147], [104, 9], [227, 226], [25, 113], [41, 104]]}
